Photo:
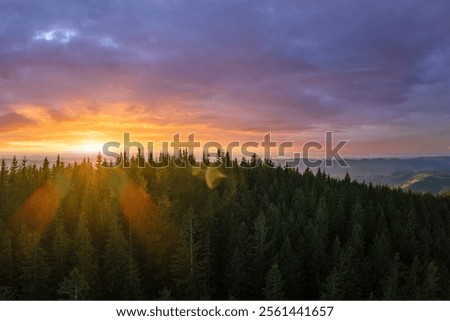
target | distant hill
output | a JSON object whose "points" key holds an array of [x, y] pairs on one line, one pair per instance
{"points": [[432, 181], [422, 174]]}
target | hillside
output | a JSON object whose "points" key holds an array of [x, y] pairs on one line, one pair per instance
{"points": [[424, 174], [437, 182]]}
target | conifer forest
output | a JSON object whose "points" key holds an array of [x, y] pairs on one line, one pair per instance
{"points": [[94, 230]]}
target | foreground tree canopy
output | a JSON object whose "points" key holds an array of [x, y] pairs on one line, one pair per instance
{"points": [[87, 231]]}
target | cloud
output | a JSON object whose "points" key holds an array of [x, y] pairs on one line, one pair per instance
{"points": [[60, 35], [13, 121], [247, 67]]}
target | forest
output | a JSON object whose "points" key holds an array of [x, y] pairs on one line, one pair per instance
{"points": [[94, 230]]}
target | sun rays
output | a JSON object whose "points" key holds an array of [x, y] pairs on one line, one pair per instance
{"points": [[39, 210]]}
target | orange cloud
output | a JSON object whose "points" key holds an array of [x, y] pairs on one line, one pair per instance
{"points": [[78, 127]]}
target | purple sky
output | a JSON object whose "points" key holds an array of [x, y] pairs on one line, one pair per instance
{"points": [[376, 73]]}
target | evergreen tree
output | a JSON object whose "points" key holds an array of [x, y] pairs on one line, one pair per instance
{"points": [[342, 283], [238, 270], [7, 293], [334, 285], [34, 266], [46, 170], [60, 248], [85, 253], [291, 269], [188, 264], [13, 169], [6, 258], [165, 294], [4, 184], [121, 272], [430, 285], [412, 286], [259, 249], [391, 288], [74, 287], [274, 284]]}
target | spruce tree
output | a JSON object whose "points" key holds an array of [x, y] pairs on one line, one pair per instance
{"points": [[238, 265], [85, 253], [430, 285], [273, 289], [74, 287], [6, 258], [121, 272], [61, 244], [34, 267], [259, 253], [189, 265]]}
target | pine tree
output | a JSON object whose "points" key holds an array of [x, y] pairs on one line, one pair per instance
{"points": [[13, 186], [189, 265], [380, 251], [274, 284], [391, 287], [165, 294], [334, 285], [122, 274], [60, 248], [46, 170], [6, 259], [85, 253], [34, 266], [430, 285], [259, 253], [13, 169], [7, 293], [342, 282], [412, 286], [237, 269], [4, 184], [74, 287], [292, 270], [321, 238]]}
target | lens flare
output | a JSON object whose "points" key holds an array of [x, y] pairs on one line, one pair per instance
{"points": [[213, 176], [39, 210]]}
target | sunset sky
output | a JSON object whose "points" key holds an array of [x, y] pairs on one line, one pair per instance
{"points": [[74, 75]]}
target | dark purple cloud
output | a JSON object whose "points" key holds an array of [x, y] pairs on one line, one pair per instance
{"points": [[267, 65], [13, 121]]}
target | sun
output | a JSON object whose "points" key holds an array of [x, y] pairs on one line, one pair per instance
{"points": [[87, 147], [92, 147]]}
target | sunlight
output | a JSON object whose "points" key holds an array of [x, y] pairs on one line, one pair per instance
{"points": [[88, 147], [39, 210], [145, 220], [213, 177]]}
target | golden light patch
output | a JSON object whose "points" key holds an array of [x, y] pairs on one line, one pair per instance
{"points": [[39, 209], [87, 147], [141, 213], [213, 176]]}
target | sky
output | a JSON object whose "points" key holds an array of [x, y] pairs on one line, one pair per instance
{"points": [[77, 74]]}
